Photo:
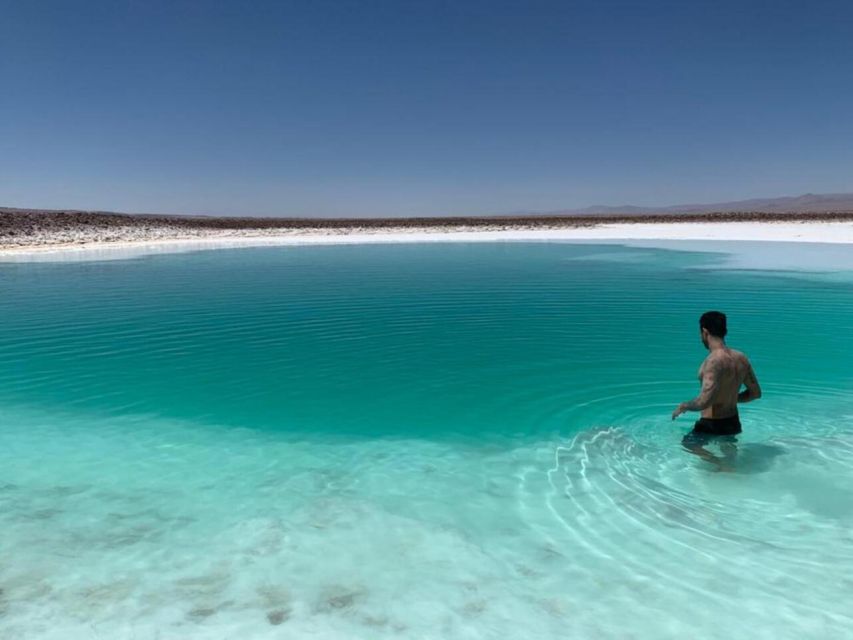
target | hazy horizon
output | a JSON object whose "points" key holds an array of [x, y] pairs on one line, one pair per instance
{"points": [[339, 109], [803, 203]]}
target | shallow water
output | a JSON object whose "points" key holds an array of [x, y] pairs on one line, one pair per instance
{"points": [[418, 441]]}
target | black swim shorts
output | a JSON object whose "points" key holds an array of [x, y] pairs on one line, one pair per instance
{"points": [[707, 428]]}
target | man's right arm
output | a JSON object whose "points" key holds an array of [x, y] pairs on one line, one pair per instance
{"points": [[753, 390]]}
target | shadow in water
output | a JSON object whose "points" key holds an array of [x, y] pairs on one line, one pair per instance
{"points": [[757, 457], [749, 458]]}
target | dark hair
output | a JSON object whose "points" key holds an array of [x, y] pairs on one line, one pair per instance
{"points": [[715, 323]]}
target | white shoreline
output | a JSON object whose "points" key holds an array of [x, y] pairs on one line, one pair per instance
{"points": [[800, 232]]}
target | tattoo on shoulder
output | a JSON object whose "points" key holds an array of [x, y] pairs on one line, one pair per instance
{"points": [[714, 364]]}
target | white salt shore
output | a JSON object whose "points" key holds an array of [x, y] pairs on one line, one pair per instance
{"points": [[836, 233]]}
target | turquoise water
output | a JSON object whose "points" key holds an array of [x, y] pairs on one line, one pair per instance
{"points": [[418, 441]]}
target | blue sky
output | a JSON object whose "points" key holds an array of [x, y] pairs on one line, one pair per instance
{"points": [[420, 108]]}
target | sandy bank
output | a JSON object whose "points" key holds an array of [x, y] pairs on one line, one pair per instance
{"points": [[165, 242]]}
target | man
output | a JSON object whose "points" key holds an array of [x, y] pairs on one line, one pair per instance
{"points": [[722, 374]]}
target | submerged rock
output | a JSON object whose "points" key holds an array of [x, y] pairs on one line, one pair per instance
{"points": [[337, 598], [278, 616]]}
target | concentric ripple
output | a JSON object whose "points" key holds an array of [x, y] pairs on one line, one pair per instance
{"points": [[417, 441]]}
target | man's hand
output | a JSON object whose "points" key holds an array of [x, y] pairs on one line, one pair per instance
{"points": [[678, 411]]}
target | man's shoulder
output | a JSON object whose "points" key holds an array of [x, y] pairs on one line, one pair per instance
{"points": [[739, 355], [740, 359], [722, 357]]}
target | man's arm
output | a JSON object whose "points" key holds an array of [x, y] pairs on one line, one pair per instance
{"points": [[710, 380], [753, 390]]}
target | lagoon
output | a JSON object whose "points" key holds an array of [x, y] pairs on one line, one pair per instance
{"points": [[443, 440]]}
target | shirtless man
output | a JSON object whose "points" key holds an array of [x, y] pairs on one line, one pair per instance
{"points": [[722, 374]]}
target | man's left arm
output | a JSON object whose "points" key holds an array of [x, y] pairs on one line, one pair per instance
{"points": [[701, 402]]}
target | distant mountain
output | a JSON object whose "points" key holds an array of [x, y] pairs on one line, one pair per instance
{"points": [[807, 203]]}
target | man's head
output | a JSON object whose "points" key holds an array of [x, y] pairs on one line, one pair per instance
{"points": [[712, 323]]}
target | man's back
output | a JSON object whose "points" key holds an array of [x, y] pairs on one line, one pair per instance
{"points": [[723, 373]]}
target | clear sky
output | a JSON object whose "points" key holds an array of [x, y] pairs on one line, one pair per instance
{"points": [[363, 108]]}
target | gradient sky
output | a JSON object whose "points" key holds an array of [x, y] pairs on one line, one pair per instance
{"points": [[420, 108]]}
